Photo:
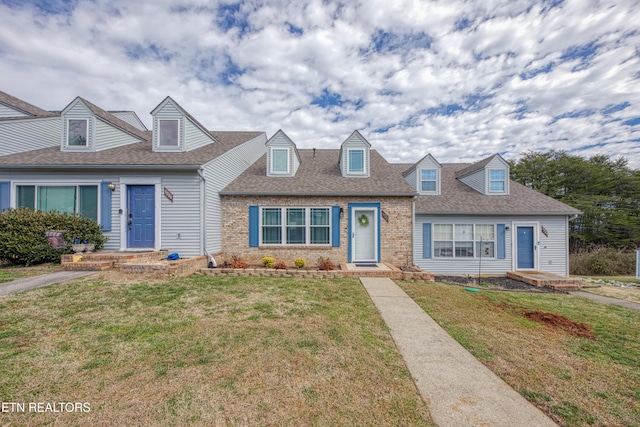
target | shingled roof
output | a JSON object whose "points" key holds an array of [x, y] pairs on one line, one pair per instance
{"points": [[320, 175], [24, 106], [458, 198], [116, 121], [137, 154]]}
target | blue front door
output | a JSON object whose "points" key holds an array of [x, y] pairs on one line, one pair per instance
{"points": [[525, 246], [141, 220]]}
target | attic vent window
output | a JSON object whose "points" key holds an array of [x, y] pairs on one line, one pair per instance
{"points": [[356, 161], [169, 131], [77, 132], [497, 181]]}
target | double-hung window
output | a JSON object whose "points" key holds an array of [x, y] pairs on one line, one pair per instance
{"points": [[280, 160], [497, 181], [295, 226], [169, 132], [428, 180], [356, 162], [464, 240], [77, 132], [71, 199]]}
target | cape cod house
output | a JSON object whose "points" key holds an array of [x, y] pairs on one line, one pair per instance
{"points": [[186, 189]]}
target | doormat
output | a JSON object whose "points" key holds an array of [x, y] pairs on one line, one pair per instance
{"points": [[366, 265]]}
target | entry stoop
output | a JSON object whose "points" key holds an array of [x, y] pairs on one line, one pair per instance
{"points": [[101, 261], [546, 280]]}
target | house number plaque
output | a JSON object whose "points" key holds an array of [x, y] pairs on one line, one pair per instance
{"points": [[168, 194]]}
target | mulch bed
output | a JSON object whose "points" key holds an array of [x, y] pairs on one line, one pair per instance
{"points": [[494, 284]]}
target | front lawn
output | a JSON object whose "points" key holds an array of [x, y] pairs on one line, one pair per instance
{"points": [[204, 351], [576, 359]]}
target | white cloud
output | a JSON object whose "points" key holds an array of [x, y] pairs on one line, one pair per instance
{"points": [[525, 75]]}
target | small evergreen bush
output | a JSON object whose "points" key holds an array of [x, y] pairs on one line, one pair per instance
{"points": [[23, 240], [268, 262], [299, 263]]}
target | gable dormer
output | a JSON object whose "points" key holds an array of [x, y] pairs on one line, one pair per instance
{"points": [[86, 127], [282, 155], [176, 130], [354, 156], [489, 176], [425, 176], [78, 127]]}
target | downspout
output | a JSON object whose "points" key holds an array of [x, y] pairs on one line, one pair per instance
{"points": [[203, 217]]}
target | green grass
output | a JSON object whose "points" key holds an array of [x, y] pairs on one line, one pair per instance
{"points": [[576, 381], [205, 351]]}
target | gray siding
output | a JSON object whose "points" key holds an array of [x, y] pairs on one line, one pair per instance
{"points": [[79, 111], [354, 142], [30, 134], [476, 180], [412, 179], [181, 229], [218, 174], [552, 251], [131, 118], [194, 136], [6, 111], [107, 137], [280, 141]]}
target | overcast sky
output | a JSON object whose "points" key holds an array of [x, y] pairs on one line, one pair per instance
{"points": [[458, 79]]}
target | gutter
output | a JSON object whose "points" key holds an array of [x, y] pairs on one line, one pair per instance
{"points": [[104, 166], [305, 194], [528, 213]]}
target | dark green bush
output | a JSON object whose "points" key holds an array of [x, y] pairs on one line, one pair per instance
{"points": [[603, 261], [23, 240]]}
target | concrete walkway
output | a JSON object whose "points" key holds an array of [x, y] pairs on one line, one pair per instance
{"points": [[29, 283], [459, 390], [607, 300]]}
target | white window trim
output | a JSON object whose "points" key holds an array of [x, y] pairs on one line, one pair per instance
{"points": [[436, 180], [66, 135], [364, 162], [283, 227], [133, 180], [178, 146], [272, 170], [13, 203], [504, 181], [475, 241]]}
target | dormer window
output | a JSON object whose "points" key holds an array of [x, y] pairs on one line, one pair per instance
{"points": [[428, 181], [497, 181], [280, 160], [168, 132], [77, 131], [356, 162]]}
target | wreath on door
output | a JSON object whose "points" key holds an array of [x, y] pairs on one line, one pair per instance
{"points": [[363, 220]]}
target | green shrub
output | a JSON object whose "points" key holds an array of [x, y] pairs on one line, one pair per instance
{"points": [[268, 261], [23, 240], [299, 263], [602, 261]]}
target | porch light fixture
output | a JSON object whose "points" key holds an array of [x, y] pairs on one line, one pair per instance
{"points": [[341, 212], [111, 186]]}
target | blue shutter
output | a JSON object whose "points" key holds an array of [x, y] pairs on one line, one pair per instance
{"points": [[254, 226], [5, 200], [426, 240], [335, 226], [105, 206], [502, 243]]}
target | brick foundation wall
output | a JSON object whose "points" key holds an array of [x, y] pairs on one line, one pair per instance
{"points": [[395, 235]]}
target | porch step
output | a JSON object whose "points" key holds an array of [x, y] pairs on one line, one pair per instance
{"points": [[548, 280], [87, 266]]}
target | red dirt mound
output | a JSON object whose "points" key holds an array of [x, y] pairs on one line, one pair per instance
{"points": [[555, 320]]}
